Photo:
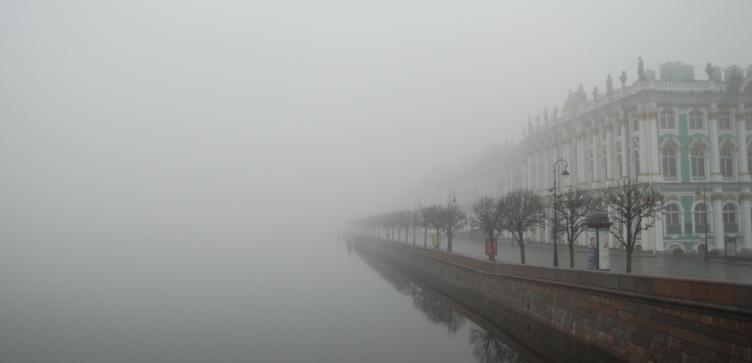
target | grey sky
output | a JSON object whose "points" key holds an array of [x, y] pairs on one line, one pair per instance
{"points": [[146, 117]]}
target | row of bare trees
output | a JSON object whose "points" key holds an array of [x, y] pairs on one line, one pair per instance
{"points": [[520, 211], [447, 220], [631, 206]]}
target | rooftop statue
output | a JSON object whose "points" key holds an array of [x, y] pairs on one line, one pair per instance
{"points": [[640, 69], [709, 71], [529, 122], [609, 85], [581, 93], [596, 95], [545, 114], [623, 78], [537, 120], [734, 79], [555, 114]]}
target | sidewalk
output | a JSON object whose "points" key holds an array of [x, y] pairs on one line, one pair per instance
{"points": [[643, 262]]}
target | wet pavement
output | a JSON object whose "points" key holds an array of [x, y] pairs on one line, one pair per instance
{"points": [[645, 263]]}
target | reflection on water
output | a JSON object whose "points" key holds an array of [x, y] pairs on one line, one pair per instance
{"points": [[488, 347], [488, 343]]}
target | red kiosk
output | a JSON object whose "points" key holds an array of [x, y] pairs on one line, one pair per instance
{"points": [[491, 248]]}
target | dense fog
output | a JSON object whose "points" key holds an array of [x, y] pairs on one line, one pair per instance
{"points": [[172, 148]]}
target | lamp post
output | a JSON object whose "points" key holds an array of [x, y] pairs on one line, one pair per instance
{"points": [[705, 204], [555, 229], [450, 220]]}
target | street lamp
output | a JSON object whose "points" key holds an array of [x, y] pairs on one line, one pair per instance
{"points": [[705, 204], [555, 230], [450, 220]]}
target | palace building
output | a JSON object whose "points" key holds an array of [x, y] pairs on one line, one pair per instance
{"points": [[690, 138]]}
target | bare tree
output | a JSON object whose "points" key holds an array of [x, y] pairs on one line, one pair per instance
{"points": [[454, 219], [423, 221], [572, 207], [404, 219], [415, 222], [486, 217], [435, 218], [522, 210], [634, 206]]}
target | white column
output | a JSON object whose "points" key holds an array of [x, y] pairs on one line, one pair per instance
{"points": [[596, 142], [717, 218], [538, 169], [580, 159], [658, 233], [529, 172], [624, 150], [746, 216], [610, 165], [644, 149], [647, 240], [715, 166], [568, 157], [654, 154], [741, 132], [546, 169]]}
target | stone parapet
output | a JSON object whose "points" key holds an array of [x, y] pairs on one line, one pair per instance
{"points": [[637, 318]]}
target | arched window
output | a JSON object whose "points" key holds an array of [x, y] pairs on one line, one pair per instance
{"points": [[668, 161], [701, 218], [727, 163], [667, 120], [698, 162], [671, 216], [724, 121], [696, 120], [729, 218]]}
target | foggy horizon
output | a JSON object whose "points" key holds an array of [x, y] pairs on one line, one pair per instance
{"points": [[338, 104]]}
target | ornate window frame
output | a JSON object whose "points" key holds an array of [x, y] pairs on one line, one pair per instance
{"points": [[670, 156], [695, 116], [696, 214], [673, 211]]}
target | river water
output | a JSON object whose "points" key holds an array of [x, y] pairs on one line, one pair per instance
{"points": [[229, 301]]}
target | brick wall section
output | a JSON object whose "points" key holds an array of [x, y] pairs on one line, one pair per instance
{"points": [[635, 318]]}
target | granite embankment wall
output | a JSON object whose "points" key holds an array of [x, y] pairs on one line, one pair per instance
{"points": [[632, 317]]}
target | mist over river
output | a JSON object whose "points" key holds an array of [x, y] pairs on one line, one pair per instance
{"points": [[274, 300]]}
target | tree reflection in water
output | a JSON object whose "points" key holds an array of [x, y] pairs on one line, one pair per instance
{"points": [[488, 348], [436, 309], [487, 345]]}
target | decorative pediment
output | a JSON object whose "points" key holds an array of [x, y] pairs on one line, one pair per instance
{"points": [[635, 141], [727, 141], [669, 140], [698, 142], [575, 103]]}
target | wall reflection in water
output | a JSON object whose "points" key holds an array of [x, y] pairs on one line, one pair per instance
{"points": [[488, 343]]}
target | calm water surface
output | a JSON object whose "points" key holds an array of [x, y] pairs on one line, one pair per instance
{"points": [[232, 301]]}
